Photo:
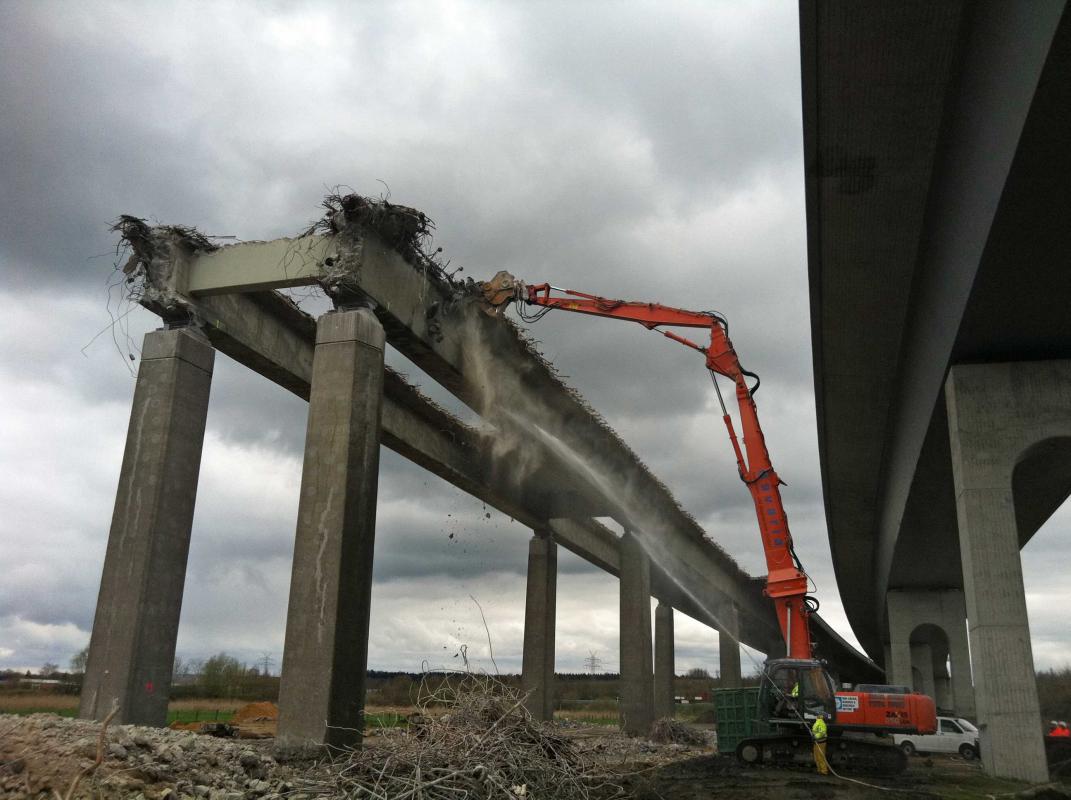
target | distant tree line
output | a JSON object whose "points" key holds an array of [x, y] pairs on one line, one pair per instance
{"points": [[1054, 694], [223, 676]]}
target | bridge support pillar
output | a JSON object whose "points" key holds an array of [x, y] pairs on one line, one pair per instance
{"points": [[321, 694], [729, 649], [1009, 431], [938, 619], [776, 649], [637, 684], [132, 650], [537, 665], [922, 669], [664, 664]]}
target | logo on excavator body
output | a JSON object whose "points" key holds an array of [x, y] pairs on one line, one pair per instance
{"points": [[847, 702]]}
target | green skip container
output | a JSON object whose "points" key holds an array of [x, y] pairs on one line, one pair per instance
{"points": [[736, 712]]}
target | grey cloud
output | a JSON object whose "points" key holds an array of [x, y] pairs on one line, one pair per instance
{"points": [[648, 152]]}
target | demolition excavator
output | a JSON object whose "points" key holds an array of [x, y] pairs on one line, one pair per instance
{"points": [[796, 689]]}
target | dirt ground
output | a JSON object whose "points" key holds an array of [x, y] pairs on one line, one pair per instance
{"points": [[42, 754], [721, 777]]}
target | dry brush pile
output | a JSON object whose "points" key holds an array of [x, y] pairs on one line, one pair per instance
{"points": [[472, 738]]}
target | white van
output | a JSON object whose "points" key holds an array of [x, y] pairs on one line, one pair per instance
{"points": [[954, 735]]}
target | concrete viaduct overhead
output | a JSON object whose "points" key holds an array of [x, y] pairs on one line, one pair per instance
{"points": [[938, 181], [227, 299]]}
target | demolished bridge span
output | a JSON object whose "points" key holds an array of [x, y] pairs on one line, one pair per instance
{"points": [[229, 294]]}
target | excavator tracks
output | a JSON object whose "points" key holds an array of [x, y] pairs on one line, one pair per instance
{"points": [[848, 755]]}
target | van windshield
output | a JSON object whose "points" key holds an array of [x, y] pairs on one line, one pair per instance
{"points": [[967, 726]]}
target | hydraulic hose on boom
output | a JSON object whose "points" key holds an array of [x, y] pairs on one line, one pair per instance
{"points": [[786, 582]]}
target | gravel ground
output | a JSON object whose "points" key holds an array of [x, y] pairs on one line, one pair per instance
{"points": [[42, 753]]}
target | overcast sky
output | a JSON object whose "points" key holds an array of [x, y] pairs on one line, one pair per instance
{"points": [[649, 151]]}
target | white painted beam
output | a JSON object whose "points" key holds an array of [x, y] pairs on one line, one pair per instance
{"points": [[257, 266]]}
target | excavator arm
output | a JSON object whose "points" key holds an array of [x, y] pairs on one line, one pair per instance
{"points": [[786, 582]]}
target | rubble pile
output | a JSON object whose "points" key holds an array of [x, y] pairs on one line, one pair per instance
{"points": [[42, 754], [471, 735]]}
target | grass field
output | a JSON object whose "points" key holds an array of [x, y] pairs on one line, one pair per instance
{"points": [[66, 705], [193, 710], [215, 710]]}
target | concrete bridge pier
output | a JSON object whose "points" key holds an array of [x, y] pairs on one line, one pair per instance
{"points": [[776, 648], [321, 695], [926, 628], [664, 664], [132, 649], [922, 668], [729, 649], [942, 680], [637, 684], [1010, 437], [537, 665]]}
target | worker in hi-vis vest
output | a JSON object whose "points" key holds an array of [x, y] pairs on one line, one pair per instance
{"points": [[819, 734]]}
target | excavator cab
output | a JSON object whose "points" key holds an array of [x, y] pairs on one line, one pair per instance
{"points": [[796, 691]]}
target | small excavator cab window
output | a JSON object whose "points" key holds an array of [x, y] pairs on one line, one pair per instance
{"points": [[798, 689], [817, 690]]}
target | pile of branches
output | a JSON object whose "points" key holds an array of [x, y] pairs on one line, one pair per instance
{"points": [[472, 738], [670, 731]]}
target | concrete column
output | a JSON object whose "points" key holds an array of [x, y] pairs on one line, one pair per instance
{"points": [[321, 696], [132, 650], [899, 671], [962, 682], [995, 411], [637, 685], [907, 610], [942, 683], [537, 670], [922, 661], [776, 649], [729, 649], [664, 663]]}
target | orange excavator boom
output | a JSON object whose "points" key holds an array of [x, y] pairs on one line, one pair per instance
{"points": [[786, 582]]}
